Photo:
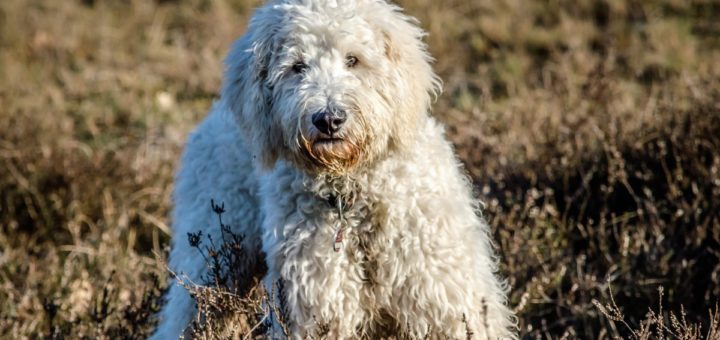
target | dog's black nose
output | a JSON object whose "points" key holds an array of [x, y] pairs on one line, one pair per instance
{"points": [[329, 122]]}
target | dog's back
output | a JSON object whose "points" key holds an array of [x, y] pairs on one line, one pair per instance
{"points": [[215, 166]]}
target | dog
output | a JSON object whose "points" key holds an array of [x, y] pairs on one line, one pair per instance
{"points": [[323, 150]]}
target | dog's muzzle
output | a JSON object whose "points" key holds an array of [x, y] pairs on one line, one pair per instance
{"points": [[332, 140]]}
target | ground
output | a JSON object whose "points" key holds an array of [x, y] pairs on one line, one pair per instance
{"points": [[591, 130]]}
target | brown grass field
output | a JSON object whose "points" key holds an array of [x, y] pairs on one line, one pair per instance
{"points": [[591, 129]]}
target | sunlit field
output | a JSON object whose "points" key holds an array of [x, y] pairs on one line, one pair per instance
{"points": [[590, 128]]}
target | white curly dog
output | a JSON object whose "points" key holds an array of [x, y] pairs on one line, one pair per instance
{"points": [[323, 151]]}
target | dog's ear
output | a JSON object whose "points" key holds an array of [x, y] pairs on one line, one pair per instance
{"points": [[404, 46], [245, 91], [418, 84]]}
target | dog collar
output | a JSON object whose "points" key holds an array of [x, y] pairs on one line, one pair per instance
{"points": [[341, 203]]}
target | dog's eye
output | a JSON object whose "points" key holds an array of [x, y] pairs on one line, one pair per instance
{"points": [[299, 67], [351, 61]]}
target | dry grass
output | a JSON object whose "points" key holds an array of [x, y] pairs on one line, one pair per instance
{"points": [[590, 127]]}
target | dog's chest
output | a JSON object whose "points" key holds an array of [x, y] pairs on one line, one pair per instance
{"points": [[358, 233], [366, 243]]}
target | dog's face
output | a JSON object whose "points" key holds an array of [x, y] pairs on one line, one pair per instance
{"points": [[328, 85]]}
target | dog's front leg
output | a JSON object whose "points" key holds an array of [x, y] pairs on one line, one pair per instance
{"points": [[450, 288], [321, 289]]}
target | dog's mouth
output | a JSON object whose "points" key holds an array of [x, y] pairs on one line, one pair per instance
{"points": [[332, 153], [328, 141], [336, 151], [335, 146]]}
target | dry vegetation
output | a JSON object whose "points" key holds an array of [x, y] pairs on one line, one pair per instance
{"points": [[590, 127]]}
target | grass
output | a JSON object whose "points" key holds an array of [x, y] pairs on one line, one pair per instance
{"points": [[591, 129]]}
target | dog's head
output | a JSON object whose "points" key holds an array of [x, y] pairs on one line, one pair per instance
{"points": [[329, 85]]}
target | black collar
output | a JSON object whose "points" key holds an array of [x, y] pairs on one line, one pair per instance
{"points": [[341, 201]]}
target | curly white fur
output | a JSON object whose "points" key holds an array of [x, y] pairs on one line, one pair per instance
{"points": [[416, 255]]}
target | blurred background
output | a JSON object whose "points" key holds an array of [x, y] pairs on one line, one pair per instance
{"points": [[591, 129]]}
